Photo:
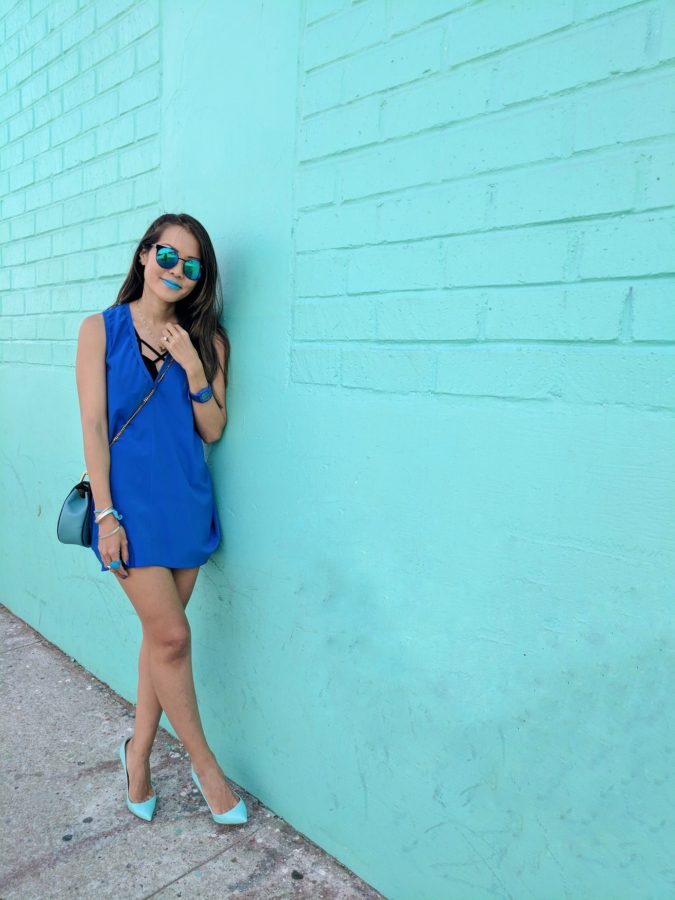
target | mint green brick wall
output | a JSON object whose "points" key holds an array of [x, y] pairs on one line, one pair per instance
{"points": [[436, 637]]}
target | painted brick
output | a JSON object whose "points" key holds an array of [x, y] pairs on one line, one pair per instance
{"points": [[47, 109], [575, 57], [38, 353], [147, 51], [100, 45], [99, 172], [322, 89], [40, 301], [338, 226], [315, 365], [19, 70], [139, 159], [400, 60], [508, 372], [56, 12], [47, 328], [146, 190], [394, 267], [654, 310], [65, 127], [14, 253], [453, 96], [79, 27], [583, 312], [115, 70], [47, 50], [629, 376], [99, 111], [344, 34], [13, 205], [21, 176], [23, 277], [141, 18], [33, 89], [630, 245], [36, 143], [515, 256], [64, 353], [142, 89], [68, 240], [632, 109], [504, 139], [657, 185], [15, 18], [67, 185], [20, 124], [341, 129], [37, 195], [572, 188], [79, 150], [110, 10], [338, 318], [435, 210], [320, 274], [113, 135], [400, 370], [38, 248], [62, 70], [406, 16], [319, 9], [25, 328], [315, 185], [488, 27], [79, 209], [452, 316]]}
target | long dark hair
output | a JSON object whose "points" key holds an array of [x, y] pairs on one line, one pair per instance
{"points": [[198, 313]]}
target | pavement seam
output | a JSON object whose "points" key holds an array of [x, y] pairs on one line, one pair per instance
{"points": [[201, 864], [19, 646]]}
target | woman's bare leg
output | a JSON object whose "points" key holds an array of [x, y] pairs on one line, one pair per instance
{"points": [[154, 595], [148, 707]]}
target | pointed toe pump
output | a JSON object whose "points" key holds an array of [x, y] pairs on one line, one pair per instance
{"points": [[235, 816], [146, 808]]}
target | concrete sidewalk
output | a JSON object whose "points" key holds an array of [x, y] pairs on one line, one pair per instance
{"points": [[66, 828]]}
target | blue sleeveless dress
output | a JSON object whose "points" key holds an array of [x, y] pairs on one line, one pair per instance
{"points": [[159, 478]]}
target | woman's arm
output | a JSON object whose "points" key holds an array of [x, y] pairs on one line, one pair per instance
{"points": [[210, 418], [90, 375]]}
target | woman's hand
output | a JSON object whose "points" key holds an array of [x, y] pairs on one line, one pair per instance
{"points": [[115, 546], [177, 341]]}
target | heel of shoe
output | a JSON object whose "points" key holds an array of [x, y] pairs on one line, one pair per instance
{"points": [[146, 808], [238, 815]]}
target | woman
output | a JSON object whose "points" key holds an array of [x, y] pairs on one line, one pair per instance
{"points": [[166, 314]]}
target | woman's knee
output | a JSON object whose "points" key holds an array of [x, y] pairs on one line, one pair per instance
{"points": [[171, 641]]}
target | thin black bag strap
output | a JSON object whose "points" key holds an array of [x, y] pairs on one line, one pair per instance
{"points": [[154, 388], [161, 375]]}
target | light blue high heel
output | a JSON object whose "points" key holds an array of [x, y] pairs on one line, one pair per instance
{"points": [[146, 808], [235, 816]]}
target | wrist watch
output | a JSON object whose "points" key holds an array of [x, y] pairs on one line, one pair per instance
{"points": [[203, 395]]}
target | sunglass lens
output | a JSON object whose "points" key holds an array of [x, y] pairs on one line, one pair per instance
{"points": [[166, 257], [192, 269]]}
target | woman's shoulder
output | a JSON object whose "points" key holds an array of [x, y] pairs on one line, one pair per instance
{"points": [[102, 327]]}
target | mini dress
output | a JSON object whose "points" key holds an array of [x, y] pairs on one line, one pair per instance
{"points": [[159, 478]]}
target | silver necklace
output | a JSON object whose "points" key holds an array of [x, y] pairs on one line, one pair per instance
{"points": [[147, 324]]}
